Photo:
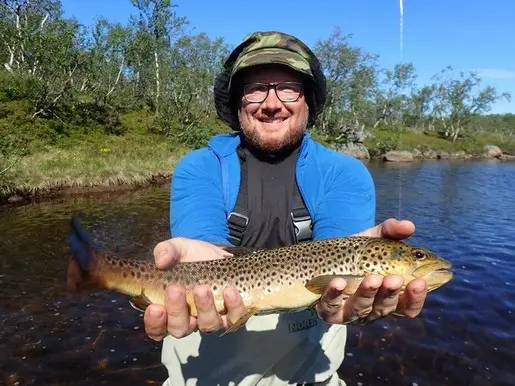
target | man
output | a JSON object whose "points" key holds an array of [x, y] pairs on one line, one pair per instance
{"points": [[244, 189]]}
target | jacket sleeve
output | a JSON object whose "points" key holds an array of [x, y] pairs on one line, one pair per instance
{"points": [[197, 208], [346, 204]]}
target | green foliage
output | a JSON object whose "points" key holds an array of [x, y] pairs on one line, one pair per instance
{"points": [[63, 84], [384, 139]]}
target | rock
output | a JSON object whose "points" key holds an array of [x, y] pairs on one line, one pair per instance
{"points": [[15, 198], [443, 155], [459, 154], [356, 150], [508, 157], [430, 154], [492, 151], [417, 154], [398, 156]]}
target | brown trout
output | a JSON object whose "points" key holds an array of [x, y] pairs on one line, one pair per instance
{"points": [[282, 279]]}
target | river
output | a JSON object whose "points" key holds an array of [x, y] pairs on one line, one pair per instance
{"points": [[464, 211]]}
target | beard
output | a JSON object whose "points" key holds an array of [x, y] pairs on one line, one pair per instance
{"points": [[268, 145]]}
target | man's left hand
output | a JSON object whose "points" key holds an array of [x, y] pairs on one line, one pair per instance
{"points": [[376, 296]]}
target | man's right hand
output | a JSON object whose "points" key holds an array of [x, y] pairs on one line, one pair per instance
{"points": [[174, 318]]}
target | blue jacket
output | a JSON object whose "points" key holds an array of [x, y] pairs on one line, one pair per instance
{"points": [[338, 190]]}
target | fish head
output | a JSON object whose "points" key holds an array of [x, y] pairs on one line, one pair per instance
{"points": [[392, 257]]}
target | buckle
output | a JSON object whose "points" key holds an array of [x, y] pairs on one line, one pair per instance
{"points": [[237, 224], [302, 224], [300, 215], [238, 221]]}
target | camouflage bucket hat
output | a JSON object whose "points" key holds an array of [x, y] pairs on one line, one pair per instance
{"points": [[266, 48]]}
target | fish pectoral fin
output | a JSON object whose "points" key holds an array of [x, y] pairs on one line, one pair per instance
{"points": [[140, 302], [241, 321], [319, 284]]}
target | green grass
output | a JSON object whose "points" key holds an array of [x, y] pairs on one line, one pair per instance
{"points": [[390, 139], [50, 156], [92, 161]]}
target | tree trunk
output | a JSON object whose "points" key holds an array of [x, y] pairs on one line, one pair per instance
{"points": [[158, 86]]}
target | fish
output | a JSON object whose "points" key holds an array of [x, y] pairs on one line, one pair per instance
{"points": [[270, 280]]}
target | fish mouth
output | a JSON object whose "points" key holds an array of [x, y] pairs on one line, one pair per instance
{"points": [[435, 275]]}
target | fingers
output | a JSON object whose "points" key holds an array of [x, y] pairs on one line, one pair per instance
{"points": [[182, 249], [392, 229], [166, 252], [387, 297], [413, 298], [174, 318], [179, 322], [329, 308], [208, 319], [376, 297], [234, 305], [155, 322], [396, 229], [361, 303]]}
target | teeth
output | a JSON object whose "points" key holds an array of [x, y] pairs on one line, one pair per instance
{"points": [[272, 120]]}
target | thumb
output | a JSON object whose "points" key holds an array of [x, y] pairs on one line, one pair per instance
{"points": [[166, 253]]}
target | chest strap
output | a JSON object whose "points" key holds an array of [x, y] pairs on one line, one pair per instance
{"points": [[238, 219]]}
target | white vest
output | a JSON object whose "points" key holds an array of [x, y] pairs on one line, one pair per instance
{"points": [[270, 350]]}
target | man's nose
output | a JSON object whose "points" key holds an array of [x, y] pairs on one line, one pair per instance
{"points": [[272, 102]]}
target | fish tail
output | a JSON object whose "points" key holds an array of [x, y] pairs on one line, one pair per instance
{"points": [[83, 261]]}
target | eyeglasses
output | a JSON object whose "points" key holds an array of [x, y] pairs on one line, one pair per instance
{"points": [[285, 91]]}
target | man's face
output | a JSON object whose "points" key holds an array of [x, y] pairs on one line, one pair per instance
{"points": [[273, 125]]}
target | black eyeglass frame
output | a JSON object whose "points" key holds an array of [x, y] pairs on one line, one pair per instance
{"points": [[274, 86]]}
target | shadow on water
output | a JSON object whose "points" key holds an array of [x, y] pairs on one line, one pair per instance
{"points": [[465, 336]]}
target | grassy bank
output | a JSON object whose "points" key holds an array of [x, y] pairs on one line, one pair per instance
{"points": [[98, 162], [386, 139], [66, 159]]}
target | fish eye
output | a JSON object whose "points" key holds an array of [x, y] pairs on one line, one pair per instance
{"points": [[418, 254]]}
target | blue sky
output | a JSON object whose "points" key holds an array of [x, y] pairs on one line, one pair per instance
{"points": [[466, 34]]}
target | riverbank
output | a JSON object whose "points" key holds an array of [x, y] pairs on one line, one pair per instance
{"points": [[92, 164], [104, 163]]}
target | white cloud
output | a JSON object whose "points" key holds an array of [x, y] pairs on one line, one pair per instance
{"points": [[495, 73]]}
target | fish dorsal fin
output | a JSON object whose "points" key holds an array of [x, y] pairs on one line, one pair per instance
{"points": [[319, 284], [238, 251]]}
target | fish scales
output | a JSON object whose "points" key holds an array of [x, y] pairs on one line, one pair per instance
{"points": [[258, 270]]}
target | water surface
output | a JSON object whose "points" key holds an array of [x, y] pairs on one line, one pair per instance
{"points": [[466, 336]]}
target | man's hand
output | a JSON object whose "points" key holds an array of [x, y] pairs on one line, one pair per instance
{"points": [[174, 318], [376, 297]]}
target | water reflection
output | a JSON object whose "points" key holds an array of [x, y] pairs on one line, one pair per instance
{"points": [[463, 210]]}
